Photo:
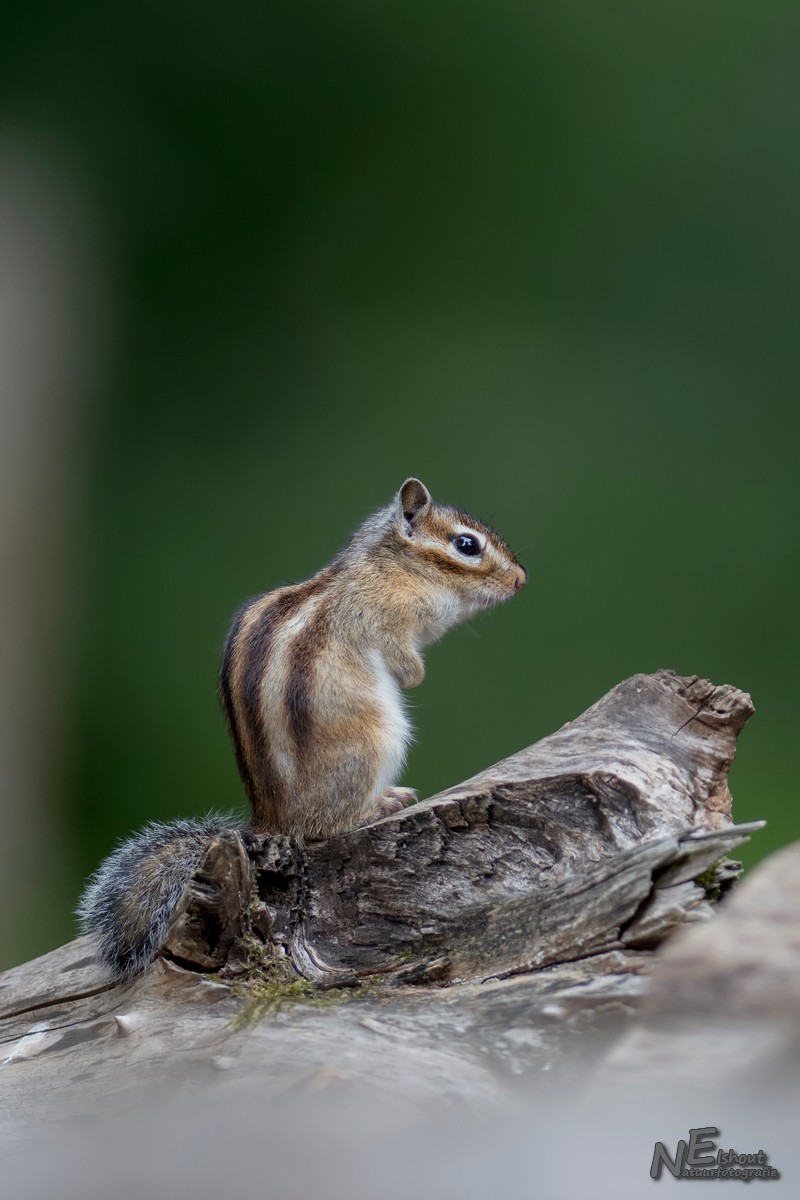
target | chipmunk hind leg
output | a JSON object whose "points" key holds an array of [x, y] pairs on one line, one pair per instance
{"points": [[392, 800]]}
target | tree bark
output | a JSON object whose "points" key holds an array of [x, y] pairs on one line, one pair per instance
{"points": [[461, 936]]}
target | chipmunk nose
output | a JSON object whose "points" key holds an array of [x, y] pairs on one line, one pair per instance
{"points": [[521, 578]]}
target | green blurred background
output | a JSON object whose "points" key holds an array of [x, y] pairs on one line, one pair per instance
{"points": [[543, 256]]}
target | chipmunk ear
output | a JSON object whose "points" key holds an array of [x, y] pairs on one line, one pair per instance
{"points": [[413, 500]]}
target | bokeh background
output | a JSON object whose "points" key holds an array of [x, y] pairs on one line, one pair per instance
{"points": [[261, 261]]}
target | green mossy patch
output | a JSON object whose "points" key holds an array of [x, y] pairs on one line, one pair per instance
{"points": [[271, 984], [718, 879]]}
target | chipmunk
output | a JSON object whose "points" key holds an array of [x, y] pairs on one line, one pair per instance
{"points": [[311, 686]]}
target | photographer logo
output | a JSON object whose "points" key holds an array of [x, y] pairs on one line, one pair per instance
{"points": [[699, 1158]]}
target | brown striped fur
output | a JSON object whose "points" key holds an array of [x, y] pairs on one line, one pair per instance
{"points": [[311, 684], [311, 674]]}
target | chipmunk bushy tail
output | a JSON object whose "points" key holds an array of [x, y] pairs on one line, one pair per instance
{"points": [[131, 899]]}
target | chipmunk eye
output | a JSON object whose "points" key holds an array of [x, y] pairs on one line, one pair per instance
{"points": [[464, 544]]}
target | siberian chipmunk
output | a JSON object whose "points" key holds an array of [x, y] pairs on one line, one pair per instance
{"points": [[311, 684]]}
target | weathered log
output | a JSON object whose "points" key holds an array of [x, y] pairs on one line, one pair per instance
{"points": [[547, 856], [462, 934]]}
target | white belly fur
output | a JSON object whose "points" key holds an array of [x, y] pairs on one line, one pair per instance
{"points": [[396, 727]]}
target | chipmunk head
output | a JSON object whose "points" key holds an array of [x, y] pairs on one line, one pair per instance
{"points": [[459, 557]]}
